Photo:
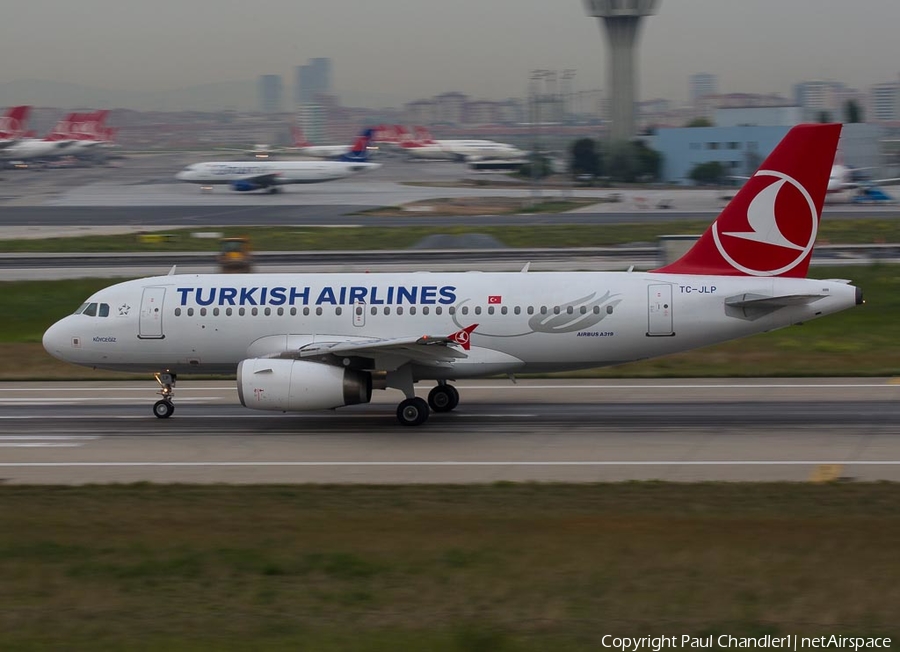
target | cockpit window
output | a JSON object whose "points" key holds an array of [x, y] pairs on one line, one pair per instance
{"points": [[80, 309], [104, 310], [91, 310]]}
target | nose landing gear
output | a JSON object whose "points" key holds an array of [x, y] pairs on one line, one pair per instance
{"points": [[164, 408]]}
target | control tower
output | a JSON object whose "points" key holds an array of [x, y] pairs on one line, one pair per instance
{"points": [[622, 19]]}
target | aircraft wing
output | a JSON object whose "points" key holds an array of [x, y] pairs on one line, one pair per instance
{"points": [[261, 180], [426, 349]]}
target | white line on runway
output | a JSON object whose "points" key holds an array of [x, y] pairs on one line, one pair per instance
{"points": [[457, 463], [47, 437], [38, 445], [749, 385]]}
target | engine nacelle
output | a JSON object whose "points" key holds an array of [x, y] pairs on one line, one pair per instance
{"points": [[244, 186], [298, 385]]}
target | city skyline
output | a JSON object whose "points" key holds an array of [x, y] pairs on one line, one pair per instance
{"points": [[392, 52]]}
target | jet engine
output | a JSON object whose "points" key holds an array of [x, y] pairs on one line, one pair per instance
{"points": [[298, 385], [245, 186]]}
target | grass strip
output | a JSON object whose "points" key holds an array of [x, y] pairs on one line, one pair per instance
{"points": [[285, 238], [501, 567]]}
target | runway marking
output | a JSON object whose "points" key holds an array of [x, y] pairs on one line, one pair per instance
{"points": [[38, 445], [47, 437], [459, 464], [890, 383]]}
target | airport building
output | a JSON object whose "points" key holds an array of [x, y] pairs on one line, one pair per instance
{"points": [[743, 138]]}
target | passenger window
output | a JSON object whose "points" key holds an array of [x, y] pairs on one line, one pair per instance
{"points": [[517, 310], [319, 311], [465, 310], [399, 310], [503, 310], [215, 312], [387, 310], [543, 310], [91, 310], [306, 312], [530, 310], [374, 310], [190, 312], [490, 310], [570, 310], [438, 310], [555, 310], [178, 312], [583, 310], [228, 312], [477, 310], [242, 311], [338, 311], [293, 312], [280, 312], [412, 310], [268, 311], [104, 310], [425, 310], [203, 312], [609, 310], [451, 310]]}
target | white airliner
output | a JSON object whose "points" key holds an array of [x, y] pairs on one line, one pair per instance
{"points": [[424, 146], [841, 179], [319, 341], [245, 176]]}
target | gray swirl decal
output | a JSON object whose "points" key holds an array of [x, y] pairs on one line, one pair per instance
{"points": [[595, 310], [566, 322]]}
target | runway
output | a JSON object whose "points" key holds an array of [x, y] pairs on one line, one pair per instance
{"points": [[537, 430]]}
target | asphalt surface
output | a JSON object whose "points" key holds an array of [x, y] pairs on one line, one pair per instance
{"points": [[538, 430], [334, 215]]}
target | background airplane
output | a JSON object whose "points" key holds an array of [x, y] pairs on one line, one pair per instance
{"points": [[246, 176], [422, 145], [319, 341]]}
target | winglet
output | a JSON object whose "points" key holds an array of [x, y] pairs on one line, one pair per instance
{"points": [[463, 337]]}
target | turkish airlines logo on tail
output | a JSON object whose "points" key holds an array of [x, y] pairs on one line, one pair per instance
{"points": [[779, 227]]}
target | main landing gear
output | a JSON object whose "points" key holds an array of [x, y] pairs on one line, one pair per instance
{"points": [[414, 411], [164, 408]]}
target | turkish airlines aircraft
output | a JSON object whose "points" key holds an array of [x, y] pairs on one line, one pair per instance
{"points": [[424, 146], [244, 176], [17, 144], [319, 341]]}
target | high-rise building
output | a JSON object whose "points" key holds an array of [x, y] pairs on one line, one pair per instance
{"points": [[269, 91], [884, 102], [313, 79], [702, 84], [820, 99]]}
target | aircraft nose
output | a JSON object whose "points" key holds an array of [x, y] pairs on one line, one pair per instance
{"points": [[57, 341], [182, 176]]}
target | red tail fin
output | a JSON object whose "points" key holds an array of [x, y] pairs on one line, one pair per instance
{"points": [[12, 125], [769, 228]]}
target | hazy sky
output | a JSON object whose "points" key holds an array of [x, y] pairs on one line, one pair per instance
{"points": [[390, 51]]}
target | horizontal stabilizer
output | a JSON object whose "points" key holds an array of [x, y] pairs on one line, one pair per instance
{"points": [[753, 306]]}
